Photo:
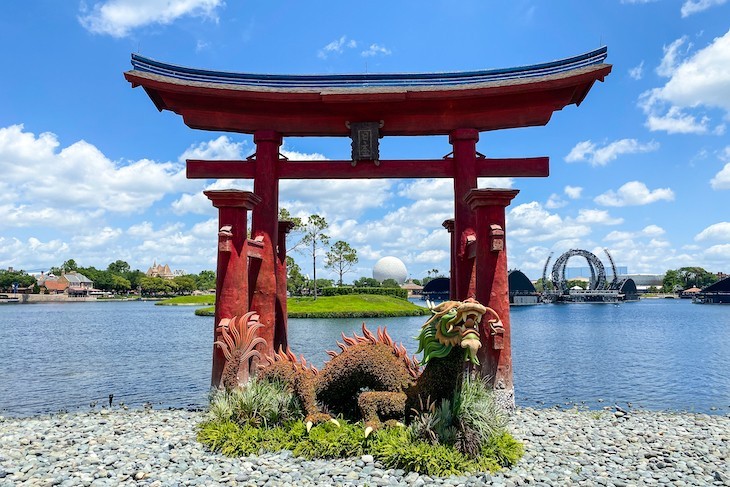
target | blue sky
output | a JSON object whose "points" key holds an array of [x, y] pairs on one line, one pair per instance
{"points": [[90, 170]]}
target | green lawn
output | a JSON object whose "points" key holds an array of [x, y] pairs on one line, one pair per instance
{"points": [[348, 306], [205, 300]]}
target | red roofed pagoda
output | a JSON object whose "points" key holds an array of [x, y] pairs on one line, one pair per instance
{"points": [[251, 273]]}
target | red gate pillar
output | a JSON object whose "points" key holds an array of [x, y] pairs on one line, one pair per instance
{"points": [[231, 283], [492, 288], [449, 226], [265, 226], [464, 142], [280, 332]]}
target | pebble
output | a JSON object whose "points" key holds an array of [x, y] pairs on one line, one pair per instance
{"points": [[562, 447]]}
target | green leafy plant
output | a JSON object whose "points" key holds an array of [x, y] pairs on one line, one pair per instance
{"points": [[259, 403], [476, 410], [504, 449], [329, 441]]}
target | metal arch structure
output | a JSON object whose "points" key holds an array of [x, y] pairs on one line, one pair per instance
{"points": [[544, 272], [614, 282], [598, 272]]}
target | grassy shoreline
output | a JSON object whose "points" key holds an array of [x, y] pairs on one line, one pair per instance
{"points": [[347, 306]]}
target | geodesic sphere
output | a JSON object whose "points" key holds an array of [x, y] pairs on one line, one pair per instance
{"points": [[390, 268]]}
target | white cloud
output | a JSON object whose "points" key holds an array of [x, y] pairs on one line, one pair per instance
{"points": [[600, 156], [222, 148], [336, 47], [495, 182], [634, 193], [118, 17], [618, 235], [374, 50], [690, 7], [676, 121], [672, 55], [530, 222], [722, 178], [637, 72], [334, 198], [554, 202], [650, 231], [653, 231], [701, 79], [717, 231], [597, 216], [573, 192], [79, 179]]}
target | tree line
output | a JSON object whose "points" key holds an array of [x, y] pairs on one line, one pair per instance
{"points": [[118, 277]]}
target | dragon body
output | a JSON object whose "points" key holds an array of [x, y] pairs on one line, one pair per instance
{"points": [[373, 379]]}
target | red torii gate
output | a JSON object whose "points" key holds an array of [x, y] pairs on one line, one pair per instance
{"points": [[251, 272]]}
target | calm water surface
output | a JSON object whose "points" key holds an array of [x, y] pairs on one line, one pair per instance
{"points": [[656, 354]]}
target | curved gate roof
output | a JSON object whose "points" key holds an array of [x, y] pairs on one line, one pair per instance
{"points": [[406, 103]]}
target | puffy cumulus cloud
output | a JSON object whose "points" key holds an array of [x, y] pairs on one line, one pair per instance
{"points": [[554, 201], [651, 256], [413, 233], [650, 231], [199, 204], [676, 121], [717, 231], [442, 189], [222, 148], [530, 222], [634, 193], [23, 216], [600, 217], [653, 231], [32, 252], [722, 178], [102, 238], [600, 156], [376, 50], [690, 7], [718, 254], [699, 79], [495, 182], [118, 17], [336, 47], [573, 192], [618, 235], [333, 198], [80, 176]]}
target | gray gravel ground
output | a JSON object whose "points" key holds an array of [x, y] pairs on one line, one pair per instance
{"points": [[155, 448]]}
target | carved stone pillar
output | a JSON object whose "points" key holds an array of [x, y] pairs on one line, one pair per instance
{"points": [[492, 288], [231, 285]]}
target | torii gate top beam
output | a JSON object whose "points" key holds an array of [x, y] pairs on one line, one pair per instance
{"points": [[408, 104]]}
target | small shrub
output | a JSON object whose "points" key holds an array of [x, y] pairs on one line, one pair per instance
{"points": [[476, 410], [329, 441], [259, 403], [504, 449]]}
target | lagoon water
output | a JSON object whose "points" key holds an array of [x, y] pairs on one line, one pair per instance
{"points": [[654, 354]]}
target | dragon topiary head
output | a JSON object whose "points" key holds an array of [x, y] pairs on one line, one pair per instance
{"points": [[453, 323]]}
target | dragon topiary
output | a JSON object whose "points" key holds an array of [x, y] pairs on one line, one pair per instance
{"points": [[372, 378]]}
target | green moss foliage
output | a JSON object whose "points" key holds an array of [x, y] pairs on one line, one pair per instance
{"points": [[394, 447]]}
